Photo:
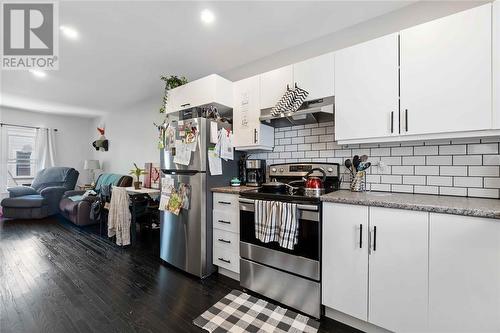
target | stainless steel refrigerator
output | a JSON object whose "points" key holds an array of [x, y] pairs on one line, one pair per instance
{"points": [[186, 239]]}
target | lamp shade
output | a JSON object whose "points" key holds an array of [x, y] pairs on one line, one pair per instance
{"points": [[91, 165]]}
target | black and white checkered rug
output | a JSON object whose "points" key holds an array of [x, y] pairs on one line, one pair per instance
{"points": [[240, 312]]}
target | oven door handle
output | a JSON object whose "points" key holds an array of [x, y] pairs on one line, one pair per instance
{"points": [[299, 206]]}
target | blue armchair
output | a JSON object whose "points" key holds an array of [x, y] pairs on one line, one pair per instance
{"points": [[41, 199]]}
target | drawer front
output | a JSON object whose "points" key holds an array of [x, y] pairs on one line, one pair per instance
{"points": [[226, 202], [227, 240], [227, 221], [226, 258]]}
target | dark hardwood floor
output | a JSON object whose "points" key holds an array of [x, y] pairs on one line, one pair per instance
{"points": [[58, 278]]}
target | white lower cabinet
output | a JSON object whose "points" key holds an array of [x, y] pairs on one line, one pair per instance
{"points": [[226, 232], [464, 274], [414, 271], [345, 259], [398, 268]]}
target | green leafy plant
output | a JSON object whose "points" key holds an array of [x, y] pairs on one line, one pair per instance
{"points": [[137, 172], [171, 82]]}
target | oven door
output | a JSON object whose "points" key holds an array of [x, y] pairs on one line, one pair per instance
{"points": [[303, 260]]}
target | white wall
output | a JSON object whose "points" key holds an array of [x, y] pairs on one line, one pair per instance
{"points": [[132, 136], [73, 140]]}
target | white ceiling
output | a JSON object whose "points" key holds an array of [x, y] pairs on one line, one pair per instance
{"points": [[124, 46]]}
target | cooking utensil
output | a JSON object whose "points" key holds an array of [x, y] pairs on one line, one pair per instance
{"points": [[363, 158], [355, 162], [363, 166], [275, 186], [314, 186], [348, 165]]}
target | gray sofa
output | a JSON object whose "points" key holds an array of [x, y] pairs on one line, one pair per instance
{"points": [[41, 199]]}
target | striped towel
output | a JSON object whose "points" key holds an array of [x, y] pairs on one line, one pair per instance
{"points": [[276, 222]]}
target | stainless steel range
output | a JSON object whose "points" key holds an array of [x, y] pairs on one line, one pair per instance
{"points": [[292, 277]]}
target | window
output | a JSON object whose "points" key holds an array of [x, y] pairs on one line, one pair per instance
{"points": [[20, 152]]}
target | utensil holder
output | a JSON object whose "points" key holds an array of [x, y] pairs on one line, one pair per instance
{"points": [[358, 182]]}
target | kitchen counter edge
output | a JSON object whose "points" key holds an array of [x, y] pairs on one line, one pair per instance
{"points": [[476, 207], [230, 189]]}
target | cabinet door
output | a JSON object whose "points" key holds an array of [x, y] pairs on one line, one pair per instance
{"points": [[464, 279], [246, 111], [345, 259], [316, 75], [446, 74], [398, 271], [366, 89], [496, 63], [273, 85]]}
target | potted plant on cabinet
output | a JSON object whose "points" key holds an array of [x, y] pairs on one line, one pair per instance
{"points": [[171, 82], [137, 172]]}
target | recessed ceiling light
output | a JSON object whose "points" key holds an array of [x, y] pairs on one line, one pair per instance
{"points": [[38, 73], [207, 16], [69, 32]]}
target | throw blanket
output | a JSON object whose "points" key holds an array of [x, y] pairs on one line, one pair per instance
{"points": [[276, 222], [119, 216]]}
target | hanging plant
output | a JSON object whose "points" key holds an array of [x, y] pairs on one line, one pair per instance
{"points": [[171, 82]]}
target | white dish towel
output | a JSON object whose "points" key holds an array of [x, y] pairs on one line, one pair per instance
{"points": [[276, 222]]}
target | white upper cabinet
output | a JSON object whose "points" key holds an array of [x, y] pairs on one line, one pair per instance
{"points": [[249, 132], [446, 74], [316, 76], [273, 85], [496, 63], [212, 89], [366, 90], [345, 259], [464, 274], [398, 271]]}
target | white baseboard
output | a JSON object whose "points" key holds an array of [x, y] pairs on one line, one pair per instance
{"points": [[353, 322], [229, 274]]}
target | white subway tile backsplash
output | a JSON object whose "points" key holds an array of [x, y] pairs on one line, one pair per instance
{"points": [[490, 171], [440, 181], [427, 170], [413, 160], [414, 180], [468, 181], [453, 171], [468, 160], [459, 167], [452, 149], [426, 189], [438, 160], [425, 150], [483, 148]]}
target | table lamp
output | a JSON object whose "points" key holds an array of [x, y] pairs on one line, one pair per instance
{"points": [[92, 165]]}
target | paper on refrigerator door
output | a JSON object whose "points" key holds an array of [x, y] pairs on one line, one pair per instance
{"points": [[182, 153], [214, 132], [226, 145], [214, 162]]}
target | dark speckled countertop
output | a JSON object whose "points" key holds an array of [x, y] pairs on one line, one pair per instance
{"points": [[489, 208]]}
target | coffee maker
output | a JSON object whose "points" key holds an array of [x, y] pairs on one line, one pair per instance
{"points": [[255, 172]]}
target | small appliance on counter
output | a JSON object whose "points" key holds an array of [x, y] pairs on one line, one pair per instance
{"points": [[255, 172]]}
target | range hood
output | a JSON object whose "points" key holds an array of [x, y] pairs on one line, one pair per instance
{"points": [[311, 112]]}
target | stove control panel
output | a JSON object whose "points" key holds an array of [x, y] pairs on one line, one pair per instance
{"points": [[301, 169]]}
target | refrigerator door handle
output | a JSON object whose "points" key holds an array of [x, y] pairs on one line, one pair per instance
{"points": [[180, 172]]}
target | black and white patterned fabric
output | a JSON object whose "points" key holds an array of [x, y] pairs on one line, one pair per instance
{"points": [[284, 104], [290, 102], [276, 221], [239, 312], [300, 96]]}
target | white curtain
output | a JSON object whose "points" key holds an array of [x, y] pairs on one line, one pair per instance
{"points": [[45, 151]]}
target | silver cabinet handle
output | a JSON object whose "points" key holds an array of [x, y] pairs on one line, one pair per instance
{"points": [[225, 260], [255, 135], [183, 105], [361, 236], [406, 120], [224, 202], [224, 241], [225, 222]]}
